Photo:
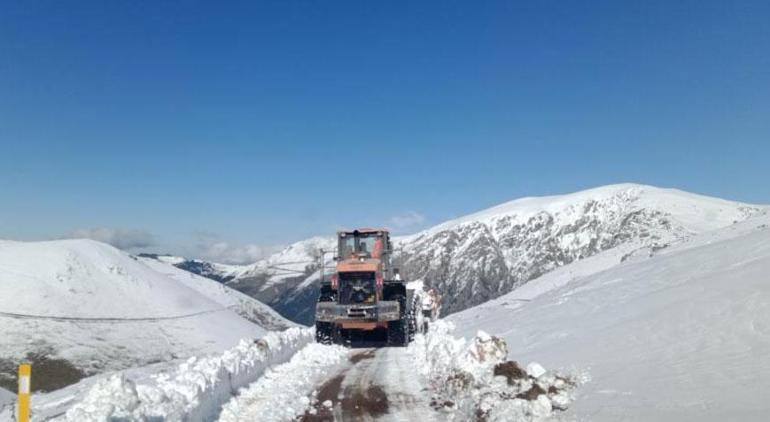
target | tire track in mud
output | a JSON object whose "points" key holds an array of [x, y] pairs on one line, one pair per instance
{"points": [[368, 390]]}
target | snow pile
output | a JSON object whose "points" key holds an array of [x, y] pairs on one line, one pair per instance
{"points": [[282, 393], [474, 380], [196, 390]]}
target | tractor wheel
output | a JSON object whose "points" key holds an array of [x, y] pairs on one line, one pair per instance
{"points": [[336, 335], [323, 332], [412, 326], [398, 333]]}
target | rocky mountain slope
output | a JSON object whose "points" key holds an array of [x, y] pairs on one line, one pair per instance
{"points": [[484, 255], [487, 254]]}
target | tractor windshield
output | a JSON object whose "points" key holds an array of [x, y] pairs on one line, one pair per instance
{"points": [[366, 244]]}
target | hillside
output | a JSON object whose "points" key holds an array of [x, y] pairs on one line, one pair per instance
{"points": [[86, 307], [244, 305], [681, 335], [484, 255]]}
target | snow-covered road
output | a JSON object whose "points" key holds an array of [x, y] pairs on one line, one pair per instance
{"points": [[380, 384], [331, 383], [438, 377], [287, 377]]}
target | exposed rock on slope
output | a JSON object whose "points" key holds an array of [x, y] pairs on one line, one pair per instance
{"points": [[484, 255]]}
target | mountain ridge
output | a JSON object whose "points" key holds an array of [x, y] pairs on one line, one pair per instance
{"points": [[482, 255]]}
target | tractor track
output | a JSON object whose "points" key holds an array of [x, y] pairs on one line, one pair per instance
{"points": [[379, 384]]}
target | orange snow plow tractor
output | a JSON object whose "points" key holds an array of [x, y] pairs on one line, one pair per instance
{"points": [[365, 296]]}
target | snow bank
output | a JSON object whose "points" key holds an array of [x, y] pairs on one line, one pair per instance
{"points": [[196, 390], [472, 380], [282, 393]]}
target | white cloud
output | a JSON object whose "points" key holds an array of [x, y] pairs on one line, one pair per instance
{"points": [[211, 247], [119, 238], [407, 220], [227, 253]]}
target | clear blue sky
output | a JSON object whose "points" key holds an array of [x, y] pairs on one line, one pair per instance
{"points": [[266, 122]]}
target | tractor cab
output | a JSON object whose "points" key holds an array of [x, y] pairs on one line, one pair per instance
{"points": [[363, 243]]}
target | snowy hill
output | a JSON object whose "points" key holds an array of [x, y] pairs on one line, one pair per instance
{"points": [[681, 335], [245, 306], [481, 256], [286, 280], [90, 307]]}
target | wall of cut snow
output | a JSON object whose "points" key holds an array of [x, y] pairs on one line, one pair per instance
{"points": [[195, 390], [283, 393]]}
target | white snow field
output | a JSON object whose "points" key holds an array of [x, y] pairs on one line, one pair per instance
{"points": [[682, 335], [102, 309]]}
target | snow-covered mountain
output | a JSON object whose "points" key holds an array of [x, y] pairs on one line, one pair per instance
{"points": [[683, 334], [212, 270], [484, 255], [90, 307], [481, 256]]}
